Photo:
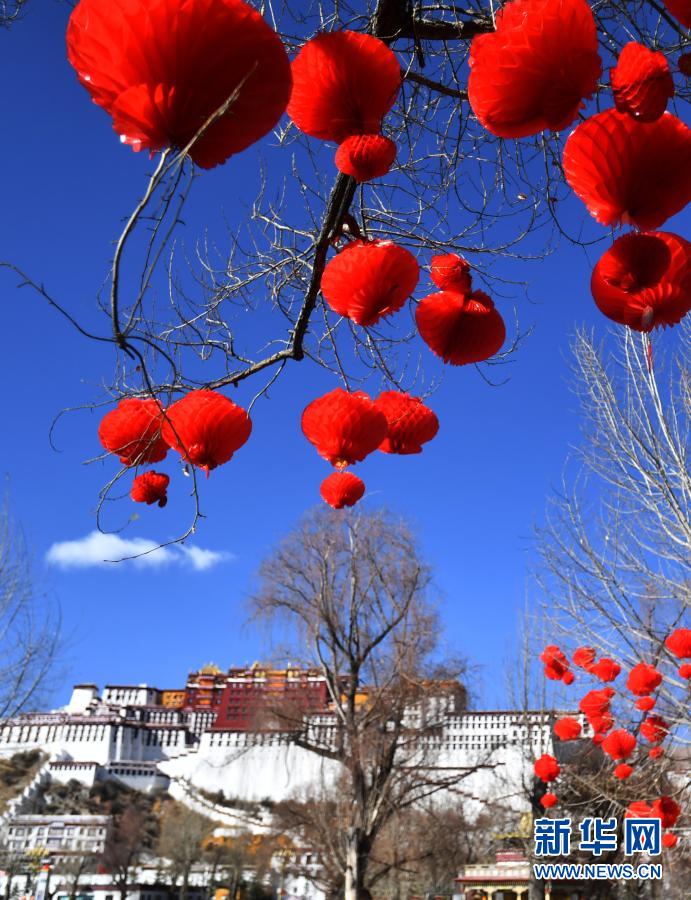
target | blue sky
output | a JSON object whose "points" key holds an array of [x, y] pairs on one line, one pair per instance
{"points": [[474, 494]]}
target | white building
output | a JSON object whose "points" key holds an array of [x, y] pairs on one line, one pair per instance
{"points": [[85, 835]]}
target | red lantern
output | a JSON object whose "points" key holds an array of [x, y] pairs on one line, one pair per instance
{"points": [[342, 489], [534, 71], [162, 68], [619, 744], [639, 809], [643, 679], [150, 487], [685, 671], [654, 729], [644, 280], [365, 156], [546, 768], [549, 800], [556, 664], [679, 643], [451, 272], [641, 82], [629, 171], [411, 423], [133, 431], [584, 657], [656, 753], [645, 703], [623, 771], [344, 83], [369, 279], [606, 669], [568, 677], [669, 840], [206, 428], [601, 723], [460, 328], [567, 728], [666, 809], [596, 703], [344, 427], [681, 10]]}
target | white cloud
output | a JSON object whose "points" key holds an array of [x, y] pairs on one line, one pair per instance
{"points": [[97, 549]]}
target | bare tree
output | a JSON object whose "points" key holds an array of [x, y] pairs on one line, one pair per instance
{"points": [[355, 594], [29, 626], [181, 842], [127, 840], [616, 547]]}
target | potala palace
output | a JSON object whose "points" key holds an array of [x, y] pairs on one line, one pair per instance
{"points": [[204, 738]]}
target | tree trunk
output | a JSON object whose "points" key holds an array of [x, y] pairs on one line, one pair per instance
{"points": [[357, 859], [184, 887]]}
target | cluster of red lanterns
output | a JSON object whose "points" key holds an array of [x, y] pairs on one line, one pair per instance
{"points": [[664, 808], [346, 426], [619, 744], [204, 427]]}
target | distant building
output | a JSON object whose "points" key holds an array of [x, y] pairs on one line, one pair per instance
{"points": [[57, 835], [508, 878]]}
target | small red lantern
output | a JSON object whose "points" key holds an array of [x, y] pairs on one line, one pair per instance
{"points": [[584, 657], [645, 703], [643, 679], [133, 431], [669, 840], [450, 272], [365, 156], [596, 703], [606, 669], [630, 172], [369, 279], [460, 328], [667, 810], [546, 768], [656, 753], [150, 487], [644, 280], [411, 424], [342, 489], [685, 671], [679, 643], [567, 728], [343, 426], [623, 771], [641, 82], [206, 428], [619, 744], [654, 729], [549, 800]]}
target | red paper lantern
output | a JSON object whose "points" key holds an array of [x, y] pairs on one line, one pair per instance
{"points": [[669, 840], [133, 431], [344, 83], [601, 723], [639, 809], [685, 671], [654, 729], [150, 487], [643, 679], [549, 800], [584, 657], [623, 771], [644, 280], [534, 71], [451, 272], [630, 172], [567, 728], [596, 703], [546, 768], [162, 68], [556, 663], [365, 156], [619, 744], [606, 669], [369, 279], [645, 703], [411, 424], [344, 427], [667, 810], [656, 753], [568, 677], [460, 328], [342, 489], [206, 428], [681, 10], [679, 643], [641, 82]]}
